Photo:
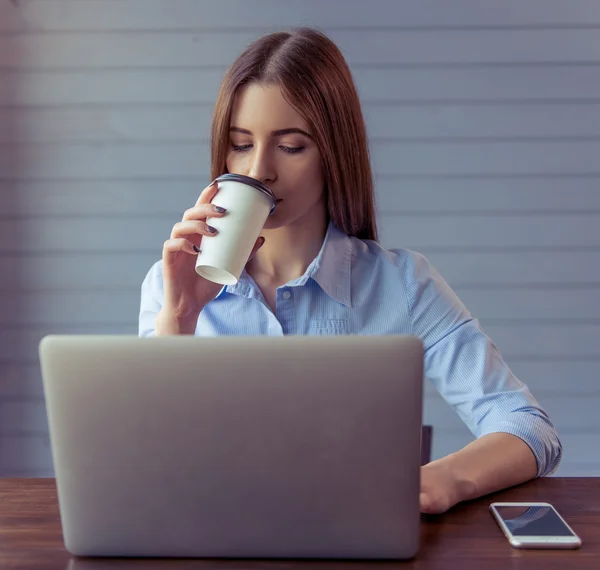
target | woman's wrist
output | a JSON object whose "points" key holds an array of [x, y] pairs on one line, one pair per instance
{"points": [[444, 484], [167, 323], [462, 483]]}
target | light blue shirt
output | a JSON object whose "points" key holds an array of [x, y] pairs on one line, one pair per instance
{"points": [[356, 287]]}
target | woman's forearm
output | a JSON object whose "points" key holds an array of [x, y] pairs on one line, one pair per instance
{"points": [[491, 463]]}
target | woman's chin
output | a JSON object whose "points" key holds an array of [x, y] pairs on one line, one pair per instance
{"points": [[275, 222], [277, 219]]}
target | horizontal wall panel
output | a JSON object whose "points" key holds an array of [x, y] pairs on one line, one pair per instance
{"points": [[520, 268], [109, 124], [39, 271], [463, 231], [23, 417], [85, 235], [148, 235], [574, 468], [77, 270], [450, 121], [25, 454], [575, 377], [116, 160], [481, 195], [544, 340], [456, 158], [395, 195], [51, 15], [474, 85], [404, 122], [87, 87], [578, 446], [462, 86], [140, 197], [103, 160], [22, 381], [21, 345], [443, 444], [551, 304], [65, 308], [573, 414], [360, 47]]}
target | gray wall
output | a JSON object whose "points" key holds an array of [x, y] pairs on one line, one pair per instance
{"points": [[484, 119]]}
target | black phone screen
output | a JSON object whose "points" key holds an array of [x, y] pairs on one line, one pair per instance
{"points": [[533, 521]]}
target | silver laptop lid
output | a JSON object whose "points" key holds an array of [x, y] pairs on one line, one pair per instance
{"points": [[287, 447]]}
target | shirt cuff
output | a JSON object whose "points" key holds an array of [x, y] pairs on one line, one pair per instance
{"points": [[538, 433]]}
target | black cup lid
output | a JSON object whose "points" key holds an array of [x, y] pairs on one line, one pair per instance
{"points": [[257, 184]]}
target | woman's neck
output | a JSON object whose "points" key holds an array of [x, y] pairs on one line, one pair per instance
{"points": [[288, 251]]}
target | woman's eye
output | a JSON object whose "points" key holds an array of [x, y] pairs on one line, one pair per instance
{"points": [[292, 149], [241, 147]]}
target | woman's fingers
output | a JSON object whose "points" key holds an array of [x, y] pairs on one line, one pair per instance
{"points": [[204, 211], [192, 228], [259, 243], [179, 245]]}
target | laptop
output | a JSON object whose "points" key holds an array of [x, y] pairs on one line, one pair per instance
{"points": [[236, 447]]}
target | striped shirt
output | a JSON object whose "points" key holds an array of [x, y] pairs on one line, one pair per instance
{"points": [[356, 287]]}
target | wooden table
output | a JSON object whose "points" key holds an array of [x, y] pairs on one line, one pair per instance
{"points": [[467, 537]]}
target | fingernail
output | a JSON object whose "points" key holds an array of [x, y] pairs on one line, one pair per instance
{"points": [[219, 209], [211, 229], [196, 249]]}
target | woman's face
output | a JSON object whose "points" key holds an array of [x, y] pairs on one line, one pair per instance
{"points": [[270, 141]]}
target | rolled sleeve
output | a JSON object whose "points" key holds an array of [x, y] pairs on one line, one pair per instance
{"points": [[468, 371], [150, 300]]}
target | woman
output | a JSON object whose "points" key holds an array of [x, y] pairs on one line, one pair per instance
{"points": [[288, 114]]}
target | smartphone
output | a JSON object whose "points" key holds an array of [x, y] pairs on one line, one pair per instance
{"points": [[534, 525]]}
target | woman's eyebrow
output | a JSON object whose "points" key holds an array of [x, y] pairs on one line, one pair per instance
{"points": [[277, 133]]}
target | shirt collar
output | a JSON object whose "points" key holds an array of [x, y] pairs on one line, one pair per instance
{"points": [[331, 270]]}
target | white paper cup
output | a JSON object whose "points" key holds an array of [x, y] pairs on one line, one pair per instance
{"points": [[248, 203]]}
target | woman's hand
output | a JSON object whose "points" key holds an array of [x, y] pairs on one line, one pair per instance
{"points": [[185, 292], [439, 488]]}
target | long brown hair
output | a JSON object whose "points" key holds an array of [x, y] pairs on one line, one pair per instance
{"points": [[315, 79]]}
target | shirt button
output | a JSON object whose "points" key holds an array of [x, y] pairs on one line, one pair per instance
{"points": [[287, 295]]}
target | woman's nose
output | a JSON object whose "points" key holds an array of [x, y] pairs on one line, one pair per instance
{"points": [[261, 168]]}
